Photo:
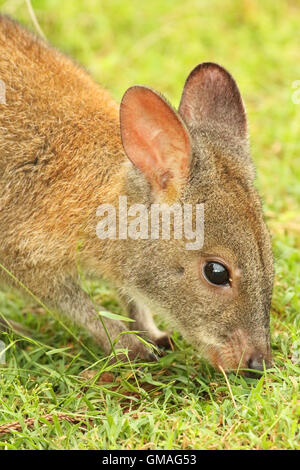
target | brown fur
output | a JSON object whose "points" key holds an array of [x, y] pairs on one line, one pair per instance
{"points": [[61, 156]]}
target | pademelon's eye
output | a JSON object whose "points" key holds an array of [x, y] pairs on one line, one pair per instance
{"points": [[216, 273]]}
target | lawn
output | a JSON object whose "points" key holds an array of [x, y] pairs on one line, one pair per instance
{"points": [[59, 375]]}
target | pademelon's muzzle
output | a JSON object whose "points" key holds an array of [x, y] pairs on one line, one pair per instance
{"points": [[239, 353], [257, 363]]}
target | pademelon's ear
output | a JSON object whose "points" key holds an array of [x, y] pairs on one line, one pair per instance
{"points": [[210, 93], [154, 137]]}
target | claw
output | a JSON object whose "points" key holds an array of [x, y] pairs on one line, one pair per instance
{"points": [[153, 357]]}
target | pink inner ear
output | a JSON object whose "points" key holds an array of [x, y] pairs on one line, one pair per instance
{"points": [[154, 137]]}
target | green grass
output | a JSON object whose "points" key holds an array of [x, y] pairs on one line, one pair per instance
{"points": [[180, 402]]}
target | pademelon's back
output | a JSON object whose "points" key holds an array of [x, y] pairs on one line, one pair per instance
{"points": [[29, 65], [59, 146], [46, 93]]}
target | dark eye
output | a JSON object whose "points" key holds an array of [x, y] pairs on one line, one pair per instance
{"points": [[216, 273]]}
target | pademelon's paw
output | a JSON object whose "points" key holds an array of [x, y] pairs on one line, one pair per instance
{"points": [[136, 350], [143, 354], [164, 341]]}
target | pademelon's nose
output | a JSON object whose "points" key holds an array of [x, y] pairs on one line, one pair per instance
{"points": [[257, 362]]}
